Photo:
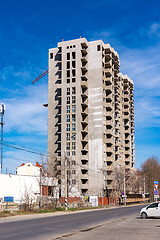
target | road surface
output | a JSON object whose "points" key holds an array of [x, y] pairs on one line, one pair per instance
{"points": [[52, 227]]}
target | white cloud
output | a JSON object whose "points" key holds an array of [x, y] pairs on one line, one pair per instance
{"points": [[154, 29], [27, 114], [147, 112]]}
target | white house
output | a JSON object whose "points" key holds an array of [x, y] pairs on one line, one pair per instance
{"points": [[28, 169]]}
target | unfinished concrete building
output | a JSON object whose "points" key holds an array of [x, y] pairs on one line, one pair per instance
{"points": [[90, 116]]}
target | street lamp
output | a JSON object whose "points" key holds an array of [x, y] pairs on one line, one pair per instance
{"points": [[2, 110]]}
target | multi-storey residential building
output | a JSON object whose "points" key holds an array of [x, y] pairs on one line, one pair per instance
{"points": [[90, 116]]}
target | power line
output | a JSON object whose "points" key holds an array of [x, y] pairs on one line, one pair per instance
{"points": [[36, 149], [22, 149], [41, 154]]}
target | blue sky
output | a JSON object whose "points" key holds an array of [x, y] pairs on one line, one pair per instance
{"points": [[29, 28]]}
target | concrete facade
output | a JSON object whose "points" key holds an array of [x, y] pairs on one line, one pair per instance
{"points": [[90, 116]]}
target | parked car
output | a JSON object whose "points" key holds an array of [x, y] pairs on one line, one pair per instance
{"points": [[152, 210]]}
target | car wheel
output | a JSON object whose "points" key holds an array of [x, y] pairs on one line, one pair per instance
{"points": [[143, 215]]}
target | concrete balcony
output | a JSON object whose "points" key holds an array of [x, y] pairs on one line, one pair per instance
{"points": [[84, 163], [108, 57], [84, 92], [84, 158], [126, 111], [84, 52], [128, 145], [84, 70], [126, 123], [84, 84], [84, 175], [109, 159], [84, 78], [108, 113], [116, 70], [108, 80], [126, 95], [127, 161], [126, 105], [109, 140], [84, 60], [84, 140], [84, 74], [84, 119], [116, 85], [108, 87], [126, 117], [109, 97], [108, 93], [108, 104], [109, 131], [85, 103], [110, 149], [84, 45], [109, 122], [108, 72], [84, 151], [128, 130], [108, 64], [127, 152]]}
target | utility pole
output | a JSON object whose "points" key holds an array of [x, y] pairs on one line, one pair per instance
{"points": [[124, 187], [66, 189], [144, 189], [40, 202], [2, 110]]}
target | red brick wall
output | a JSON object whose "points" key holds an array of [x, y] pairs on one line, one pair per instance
{"points": [[44, 190], [70, 199], [107, 201], [104, 201]]}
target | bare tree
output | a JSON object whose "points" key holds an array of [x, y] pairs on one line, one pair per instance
{"points": [[151, 171], [49, 191], [118, 181]]}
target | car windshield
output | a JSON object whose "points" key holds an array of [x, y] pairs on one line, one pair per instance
{"points": [[153, 205]]}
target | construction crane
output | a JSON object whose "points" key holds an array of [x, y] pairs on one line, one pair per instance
{"points": [[37, 79], [41, 76]]}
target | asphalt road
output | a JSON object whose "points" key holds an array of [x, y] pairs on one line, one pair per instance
{"points": [[53, 226]]}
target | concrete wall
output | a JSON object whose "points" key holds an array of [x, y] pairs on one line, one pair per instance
{"points": [[95, 118], [20, 187]]}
